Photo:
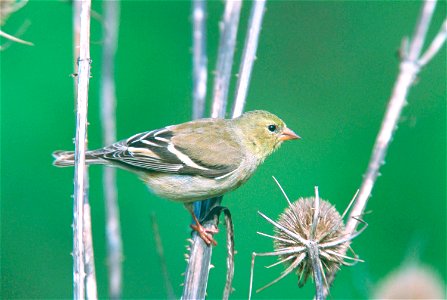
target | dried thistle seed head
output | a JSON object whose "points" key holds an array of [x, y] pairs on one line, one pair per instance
{"points": [[309, 239], [411, 281], [329, 228]]}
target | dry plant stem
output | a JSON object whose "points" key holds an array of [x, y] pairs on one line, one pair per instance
{"points": [[108, 105], [199, 58], [80, 180], [160, 251], [248, 56], [196, 277], [227, 45], [436, 44], [314, 252], [90, 273], [14, 39], [76, 40], [316, 269], [230, 254], [197, 272], [409, 68]]}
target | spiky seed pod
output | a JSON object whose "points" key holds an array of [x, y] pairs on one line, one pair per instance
{"points": [[309, 239], [298, 218]]}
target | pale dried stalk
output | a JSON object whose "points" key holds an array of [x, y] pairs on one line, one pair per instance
{"points": [[225, 55], [200, 61], [436, 44], [14, 39], [230, 254], [196, 277], [80, 180], [197, 272], [409, 68], [90, 272], [108, 118], [248, 56]]}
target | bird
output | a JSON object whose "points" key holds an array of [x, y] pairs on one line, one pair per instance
{"points": [[196, 160]]}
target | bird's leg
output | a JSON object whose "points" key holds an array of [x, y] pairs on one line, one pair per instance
{"points": [[204, 233]]}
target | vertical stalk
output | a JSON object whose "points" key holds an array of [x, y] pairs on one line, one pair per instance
{"points": [[225, 55], [200, 62], [248, 56], [108, 105], [80, 180], [408, 71]]}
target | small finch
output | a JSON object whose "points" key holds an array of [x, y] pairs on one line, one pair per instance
{"points": [[196, 160]]}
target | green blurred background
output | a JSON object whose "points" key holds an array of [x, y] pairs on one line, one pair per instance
{"points": [[326, 68]]}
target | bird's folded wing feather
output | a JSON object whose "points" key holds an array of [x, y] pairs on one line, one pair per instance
{"points": [[204, 148]]}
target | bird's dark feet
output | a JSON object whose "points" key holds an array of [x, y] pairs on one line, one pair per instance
{"points": [[205, 233]]}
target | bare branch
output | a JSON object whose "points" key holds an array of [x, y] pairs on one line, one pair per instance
{"points": [[108, 121], [80, 180], [248, 56], [90, 272], [230, 254], [200, 62], [227, 44], [409, 68], [196, 276], [435, 46]]}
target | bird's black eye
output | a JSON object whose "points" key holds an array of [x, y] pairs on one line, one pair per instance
{"points": [[272, 128]]}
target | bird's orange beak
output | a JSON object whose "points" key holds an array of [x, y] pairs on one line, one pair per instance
{"points": [[288, 134]]}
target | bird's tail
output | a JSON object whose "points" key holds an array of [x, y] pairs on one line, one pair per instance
{"points": [[66, 158]]}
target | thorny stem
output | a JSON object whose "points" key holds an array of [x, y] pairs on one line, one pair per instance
{"points": [[80, 180], [314, 257], [90, 272], [408, 72], [196, 277], [248, 56], [227, 45], [199, 58], [108, 105], [313, 251], [409, 68], [230, 254]]}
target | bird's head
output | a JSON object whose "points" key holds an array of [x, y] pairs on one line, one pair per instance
{"points": [[263, 132]]}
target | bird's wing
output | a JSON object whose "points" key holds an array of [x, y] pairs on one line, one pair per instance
{"points": [[200, 148]]}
